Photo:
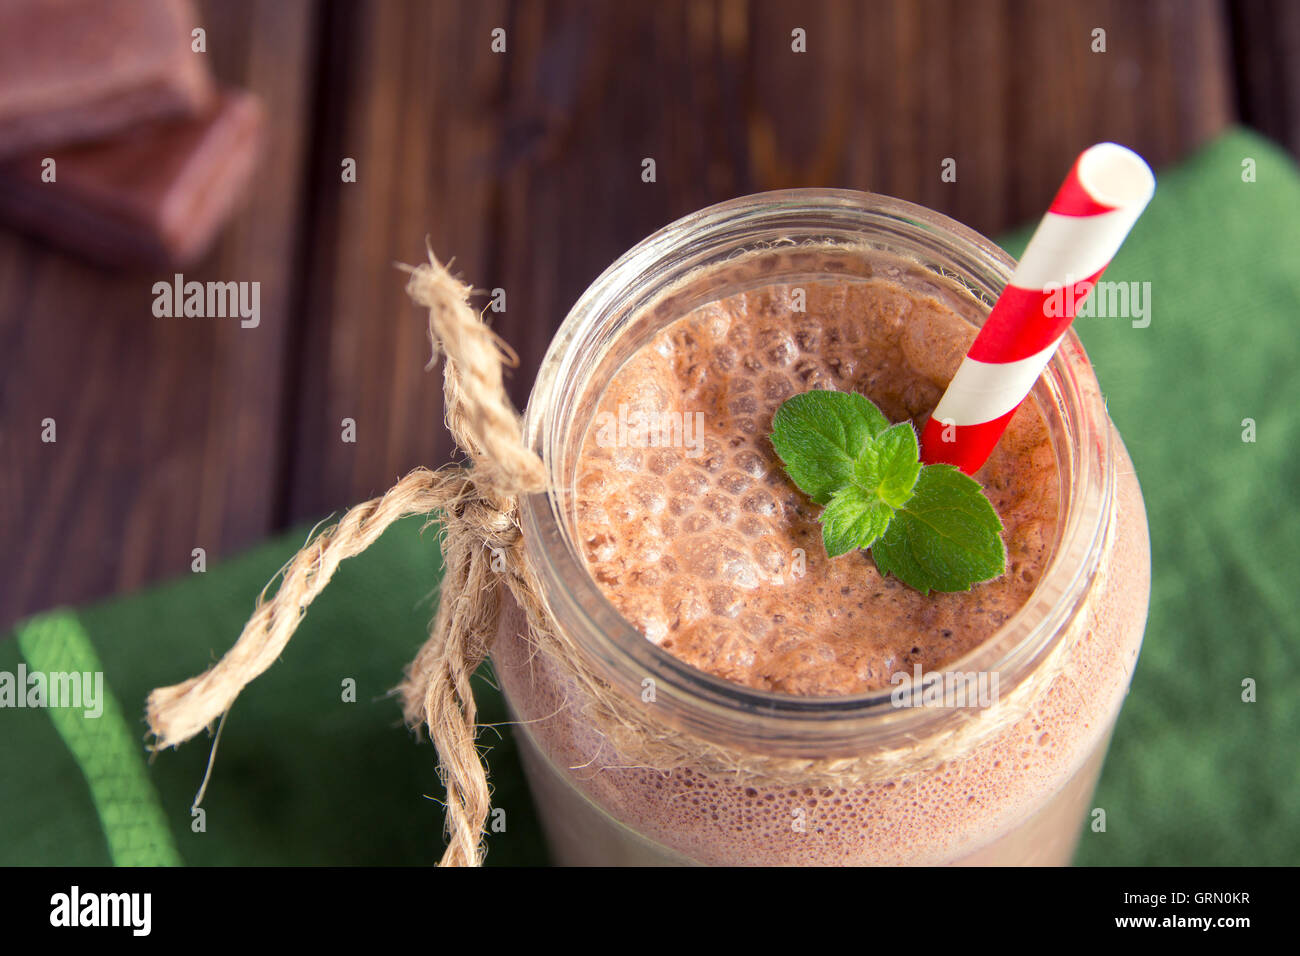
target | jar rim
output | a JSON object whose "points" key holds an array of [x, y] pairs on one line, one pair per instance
{"points": [[701, 702]]}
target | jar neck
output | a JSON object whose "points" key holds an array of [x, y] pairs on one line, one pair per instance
{"points": [[773, 238]]}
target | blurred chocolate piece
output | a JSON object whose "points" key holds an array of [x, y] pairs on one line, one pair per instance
{"points": [[154, 196], [72, 71]]}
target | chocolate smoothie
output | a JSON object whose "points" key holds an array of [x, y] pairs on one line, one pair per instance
{"points": [[715, 555], [685, 520]]}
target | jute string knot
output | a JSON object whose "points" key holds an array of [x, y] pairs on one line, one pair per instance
{"points": [[475, 506]]}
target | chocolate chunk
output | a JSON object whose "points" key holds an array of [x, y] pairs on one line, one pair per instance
{"points": [[73, 71], [154, 196]]}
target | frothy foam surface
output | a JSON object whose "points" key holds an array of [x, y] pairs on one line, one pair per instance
{"points": [[710, 550]]}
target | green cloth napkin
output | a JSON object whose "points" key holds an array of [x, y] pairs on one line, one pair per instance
{"points": [[1195, 774]]}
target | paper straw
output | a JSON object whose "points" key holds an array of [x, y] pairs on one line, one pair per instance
{"points": [[1097, 205]]}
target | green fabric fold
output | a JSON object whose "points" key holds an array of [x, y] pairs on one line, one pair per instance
{"points": [[88, 718]]}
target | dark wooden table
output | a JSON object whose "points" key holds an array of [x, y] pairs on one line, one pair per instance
{"points": [[174, 434]]}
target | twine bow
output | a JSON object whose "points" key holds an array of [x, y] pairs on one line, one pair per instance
{"points": [[476, 507]]}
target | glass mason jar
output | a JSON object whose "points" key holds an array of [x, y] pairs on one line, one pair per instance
{"points": [[1017, 796]]}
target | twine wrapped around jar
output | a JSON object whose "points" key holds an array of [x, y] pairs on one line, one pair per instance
{"points": [[476, 507]]}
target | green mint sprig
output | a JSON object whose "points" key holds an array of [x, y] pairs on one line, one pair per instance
{"points": [[928, 525]]}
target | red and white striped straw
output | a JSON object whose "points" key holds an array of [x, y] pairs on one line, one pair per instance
{"points": [[1097, 205]]}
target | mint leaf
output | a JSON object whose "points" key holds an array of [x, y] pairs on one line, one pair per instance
{"points": [[946, 537], [853, 520], [888, 467], [930, 526], [820, 434]]}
